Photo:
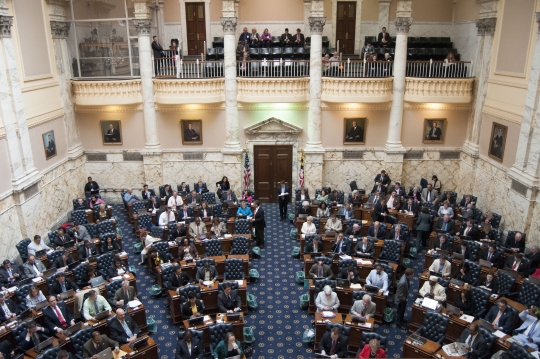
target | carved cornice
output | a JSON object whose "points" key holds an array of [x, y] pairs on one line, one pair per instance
{"points": [[403, 24], [60, 29], [316, 24], [143, 26], [229, 25], [57, 9], [273, 126], [486, 26], [6, 22], [404, 8], [488, 8]]}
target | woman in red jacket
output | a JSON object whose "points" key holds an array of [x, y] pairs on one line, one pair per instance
{"points": [[372, 350]]}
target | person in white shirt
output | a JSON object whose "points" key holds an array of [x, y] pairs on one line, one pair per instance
{"points": [[333, 224], [148, 240], [37, 245], [446, 209], [175, 201], [432, 289], [309, 227], [327, 300], [166, 217], [378, 278]]}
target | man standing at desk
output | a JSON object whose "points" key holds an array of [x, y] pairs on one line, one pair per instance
{"points": [[258, 223], [228, 300], [283, 199], [378, 278], [124, 329]]}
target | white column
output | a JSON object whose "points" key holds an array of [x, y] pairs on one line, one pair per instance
{"points": [[384, 13]]}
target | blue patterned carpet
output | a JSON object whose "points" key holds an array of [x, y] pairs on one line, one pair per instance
{"points": [[279, 322]]}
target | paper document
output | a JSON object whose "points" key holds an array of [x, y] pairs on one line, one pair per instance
{"points": [[328, 314], [535, 354], [240, 281], [365, 325], [310, 333], [499, 334], [430, 303], [206, 318], [126, 276], [134, 303], [467, 318], [227, 236], [356, 286], [455, 349], [117, 277], [35, 280], [344, 256]]}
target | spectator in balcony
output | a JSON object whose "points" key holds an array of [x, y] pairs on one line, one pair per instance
{"points": [[255, 40], [244, 64], [384, 38], [286, 39], [326, 62], [174, 47], [245, 36], [367, 50], [450, 57], [158, 53], [242, 48], [266, 39], [387, 67], [298, 39]]}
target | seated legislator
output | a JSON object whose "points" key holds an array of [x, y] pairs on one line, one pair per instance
{"points": [[466, 201], [354, 232], [314, 246], [333, 198], [146, 193], [378, 278], [187, 250], [302, 195], [356, 199], [148, 240], [166, 216], [416, 195], [62, 238], [8, 309], [475, 343], [153, 204], [158, 257], [517, 244], [464, 274], [341, 245], [334, 344], [396, 233], [464, 303], [364, 308], [375, 198], [380, 211], [34, 297], [180, 279], [102, 214], [94, 304], [206, 273], [123, 329], [185, 212], [229, 348], [441, 266], [57, 316], [98, 343], [442, 244], [350, 273], [79, 205], [516, 263], [178, 231], [432, 289], [95, 202], [175, 201], [322, 197], [218, 228], [309, 227], [468, 229], [33, 267], [333, 224], [501, 317], [393, 201], [110, 245], [130, 197], [323, 211], [444, 224], [37, 245], [466, 251], [445, 209], [376, 230], [33, 335], [372, 350], [529, 332], [327, 300], [346, 211], [400, 191], [468, 213], [189, 347], [193, 198], [88, 275], [450, 198], [244, 210], [489, 283], [534, 258], [229, 196], [305, 209], [320, 270], [193, 307], [379, 188], [205, 211], [197, 228], [88, 249], [166, 191], [200, 187], [228, 300], [81, 233], [9, 274], [117, 268], [124, 294], [364, 248], [62, 284]]}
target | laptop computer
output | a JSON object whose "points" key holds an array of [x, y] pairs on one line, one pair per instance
{"points": [[40, 253], [343, 283], [25, 314], [139, 343], [41, 305], [437, 274], [67, 294], [106, 354], [457, 282], [73, 265], [485, 263], [330, 233], [457, 255], [450, 309], [96, 282], [44, 345], [49, 272], [196, 320], [24, 281], [234, 316], [315, 254], [102, 315], [333, 255], [74, 329], [69, 244], [486, 325], [372, 288]]}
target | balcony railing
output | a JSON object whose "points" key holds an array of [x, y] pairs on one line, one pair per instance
{"points": [[432, 69], [357, 68], [273, 68], [175, 67]]}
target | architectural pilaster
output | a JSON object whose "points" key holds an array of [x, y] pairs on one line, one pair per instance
{"points": [[384, 13]]}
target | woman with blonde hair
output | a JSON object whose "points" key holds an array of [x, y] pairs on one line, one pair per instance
{"points": [[372, 350]]}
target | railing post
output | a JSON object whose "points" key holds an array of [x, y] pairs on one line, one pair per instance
{"points": [[430, 63], [153, 66], [472, 68], [445, 66], [182, 67], [177, 63], [205, 50], [348, 66], [197, 67], [364, 68]]}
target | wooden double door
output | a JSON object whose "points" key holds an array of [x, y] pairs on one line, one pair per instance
{"points": [[346, 26], [196, 28], [271, 165]]}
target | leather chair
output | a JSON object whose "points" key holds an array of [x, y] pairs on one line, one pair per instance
{"points": [[351, 222], [166, 273], [217, 333], [104, 261], [220, 53], [367, 336], [103, 241], [477, 215], [163, 247], [519, 351], [211, 54], [218, 42], [78, 340], [234, 285], [50, 281], [490, 341], [171, 226], [495, 220], [209, 197], [22, 248], [495, 234], [443, 282], [110, 320], [326, 260], [157, 232], [179, 188], [299, 53], [17, 333], [52, 237], [474, 247], [110, 290], [391, 251], [316, 222], [529, 293], [137, 206], [234, 269], [213, 247], [297, 191], [51, 353], [240, 245], [79, 216], [288, 53], [434, 327], [297, 207], [506, 283], [242, 226], [475, 270], [218, 210], [54, 254], [480, 299], [21, 293], [320, 283], [122, 193], [184, 291], [512, 234], [309, 239], [78, 273], [76, 202], [105, 227], [200, 263], [358, 294], [145, 220], [473, 198], [92, 230], [453, 195]]}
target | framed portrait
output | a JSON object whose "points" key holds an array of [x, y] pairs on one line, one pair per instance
{"points": [[191, 132], [354, 131], [497, 141], [49, 144], [111, 132], [434, 130]]}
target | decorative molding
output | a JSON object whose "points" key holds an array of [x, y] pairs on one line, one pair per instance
{"points": [[272, 107], [364, 90], [273, 126], [45, 118], [274, 90], [191, 108], [96, 157], [108, 109], [419, 106], [502, 115], [316, 25], [488, 8], [170, 92], [229, 25], [486, 26], [60, 29], [6, 22], [107, 93], [352, 107], [438, 90], [143, 26], [403, 24]]}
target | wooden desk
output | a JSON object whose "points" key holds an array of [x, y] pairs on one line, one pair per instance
{"points": [[238, 325], [406, 218], [424, 351], [453, 331], [33, 354], [442, 353], [149, 351], [355, 334], [320, 326]]}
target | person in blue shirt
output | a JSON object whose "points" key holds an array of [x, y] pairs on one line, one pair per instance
{"points": [[244, 210]]}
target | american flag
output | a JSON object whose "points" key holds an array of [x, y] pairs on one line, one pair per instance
{"points": [[247, 172], [301, 170]]}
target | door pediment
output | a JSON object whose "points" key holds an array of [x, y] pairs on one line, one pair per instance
{"points": [[273, 126]]}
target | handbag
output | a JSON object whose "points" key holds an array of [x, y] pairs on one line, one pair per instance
{"points": [[248, 350]]}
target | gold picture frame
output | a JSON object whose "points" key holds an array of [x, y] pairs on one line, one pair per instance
{"points": [[354, 135], [49, 144], [191, 132], [434, 134], [111, 132], [497, 141]]}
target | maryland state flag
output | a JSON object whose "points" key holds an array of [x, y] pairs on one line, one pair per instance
{"points": [[301, 170]]}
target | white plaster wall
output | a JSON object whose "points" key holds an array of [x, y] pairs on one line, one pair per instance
{"points": [[465, 39]]}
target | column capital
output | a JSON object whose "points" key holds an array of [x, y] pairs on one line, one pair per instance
{"points": [[316, 24], [60, 29], [488, 8], [403, 24], [486, 26], [229, 25], [6, 22], [143, 26]]}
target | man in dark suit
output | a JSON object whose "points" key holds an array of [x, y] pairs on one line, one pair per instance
{"points": [[384, 38], [8, 309], [228, 300], [123, 329], [314, 246], [380, 188], [341, 245], [6, 349], [258, 223], [489, 254], [158, 53], [190, 134], [193, 198], [193, 307], [153, 203], [474, 341], [228, 196], [380, 211], [91, 187], [350, 273], [442, 244], [298, 40], [365, 248], [63, 261], [196, 350], [200, 187], [396, 233], [146, 193], [501, 317], [321, 270], [62, 284], [534, 257], [286, 39], [206, 273], [376, 231], [383, 178], [354, 231], [434, 133], [411, 206], [62, 238], [444, 225], [283, 199], [333, 343], [517, 264], [57, 316], [465, 251], [402, 296], [465, 201], [468, 229], [124, 294], [88, 249], [185, 212], [355, 134], [112, 135], [517, 243], [98, 343], [179, 279], [33, 335], [9, 274]]}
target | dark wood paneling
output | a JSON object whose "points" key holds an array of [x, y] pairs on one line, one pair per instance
{"points": [[271, 165], [195, 28], [345, 26]]}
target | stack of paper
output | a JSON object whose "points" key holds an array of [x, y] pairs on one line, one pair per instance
{"points": [[429, 303], [133, 303], [499, 334], [240, 281], [328, 314], [467, 318], [117, 277], [344, 256], [356, 286], [35, 280]]}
